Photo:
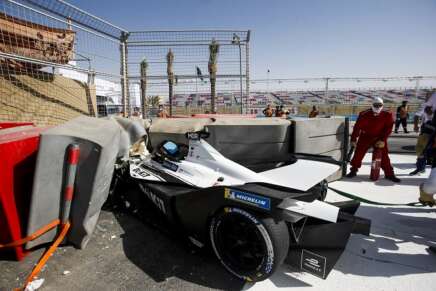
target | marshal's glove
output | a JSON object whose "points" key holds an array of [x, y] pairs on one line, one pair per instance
{"points": [[380, 144]]}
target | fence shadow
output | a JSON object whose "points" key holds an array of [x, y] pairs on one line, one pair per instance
{"points": [[388, 252], [156, 248]]}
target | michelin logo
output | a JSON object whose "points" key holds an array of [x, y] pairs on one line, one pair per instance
{"points": [[248, 198]]}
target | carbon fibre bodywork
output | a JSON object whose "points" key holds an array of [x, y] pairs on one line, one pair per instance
{"points": [[190, 209]]}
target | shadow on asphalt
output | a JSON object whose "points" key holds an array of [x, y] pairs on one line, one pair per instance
{"points": [[281, 279], [405, 180], [382, 253], [158, 249], [402, 166]]}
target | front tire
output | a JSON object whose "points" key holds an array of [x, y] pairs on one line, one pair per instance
{"points": [[248, 247]]}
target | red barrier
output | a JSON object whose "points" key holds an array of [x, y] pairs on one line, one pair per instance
{"points": [[224, 115], [4, 125], [18, 157]]}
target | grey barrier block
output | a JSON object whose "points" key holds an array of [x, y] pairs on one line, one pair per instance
{"points": [[100, 142], [325, 136], [260, 141], [251, 141], [247, 141]]}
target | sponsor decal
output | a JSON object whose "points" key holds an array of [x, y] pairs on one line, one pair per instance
{"points": [[248, 198], [313, 263], [170, 166], [193, 135], [140, 172], [153, 197]]}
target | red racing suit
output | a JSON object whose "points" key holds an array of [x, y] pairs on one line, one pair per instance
{"points": [[370, 128]]}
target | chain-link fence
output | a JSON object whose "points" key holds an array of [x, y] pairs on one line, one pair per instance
{"points": [[56, 62], [338, 96], [190, 68]]}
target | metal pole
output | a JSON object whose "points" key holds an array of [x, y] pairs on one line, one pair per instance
{"points": [[247, 72], [417, 87], [267, 81], [124, 81], [326, 92], [240, 74]]}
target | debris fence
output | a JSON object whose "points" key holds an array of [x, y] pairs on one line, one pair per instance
{"points": [[58, 61]]}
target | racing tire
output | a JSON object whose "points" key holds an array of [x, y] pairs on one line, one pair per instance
{"points": [[250, 248]]}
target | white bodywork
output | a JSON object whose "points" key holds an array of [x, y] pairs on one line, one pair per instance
{"points": [[204, 167]]}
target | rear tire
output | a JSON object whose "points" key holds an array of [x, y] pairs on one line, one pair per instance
{"points": [[250, 248]]}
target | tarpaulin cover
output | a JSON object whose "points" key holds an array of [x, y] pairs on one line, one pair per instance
{"points": [[101, 142]]}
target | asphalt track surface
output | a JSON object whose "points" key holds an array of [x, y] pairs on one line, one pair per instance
{"points": [[395, 256], [124, 254], [127, 254]]}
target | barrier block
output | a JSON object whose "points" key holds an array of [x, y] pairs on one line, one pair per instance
{"points": [[18, 148], [101, 142]]}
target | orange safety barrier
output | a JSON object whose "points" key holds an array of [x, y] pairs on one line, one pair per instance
{"points": [[33, 236], [43, 260], [47, 254]]}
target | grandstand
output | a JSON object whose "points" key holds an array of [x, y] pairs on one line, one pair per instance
{"points": [[262, 98]]}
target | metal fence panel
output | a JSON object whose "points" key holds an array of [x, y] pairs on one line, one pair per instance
{"points": [[56, 62]]}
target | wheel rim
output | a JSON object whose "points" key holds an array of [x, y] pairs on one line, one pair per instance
{"points": [[240, 243]]}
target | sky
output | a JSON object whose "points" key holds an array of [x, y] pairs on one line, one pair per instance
{"points": [[310, 38]]}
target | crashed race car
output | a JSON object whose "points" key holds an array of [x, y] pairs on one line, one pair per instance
{"points": [[253, 221]]}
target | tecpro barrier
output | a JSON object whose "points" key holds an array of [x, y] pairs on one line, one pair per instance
{"points": [[101, 142]]}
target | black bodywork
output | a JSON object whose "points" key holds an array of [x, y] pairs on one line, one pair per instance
{"points": [[316, 245]]}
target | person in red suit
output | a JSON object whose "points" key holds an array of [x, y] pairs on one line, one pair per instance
{"points": [[372, 129]]}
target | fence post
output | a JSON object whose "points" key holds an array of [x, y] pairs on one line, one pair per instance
{"points": [[124, 77], [346, 145], [417, 87], [247, 71]]}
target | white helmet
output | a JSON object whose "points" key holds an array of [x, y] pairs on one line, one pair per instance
{"points": [[377, 105], [377, 100]]}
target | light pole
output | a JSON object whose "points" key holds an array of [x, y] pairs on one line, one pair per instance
{"points": [[417, 79], [267, 80], [237, 41]]}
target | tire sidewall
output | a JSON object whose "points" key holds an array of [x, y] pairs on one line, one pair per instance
{"points": [[266, 267]]}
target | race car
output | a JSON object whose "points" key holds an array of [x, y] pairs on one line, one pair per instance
{"points": [[253, 221]]}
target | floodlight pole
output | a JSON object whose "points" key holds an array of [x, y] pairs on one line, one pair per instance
{"points": [[417, 86], [267, 80], [237, 41], [247, 70], [240, 74]]}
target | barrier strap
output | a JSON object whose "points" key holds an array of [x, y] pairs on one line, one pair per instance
{"points": [[64, 230], [32, 236], [360, 199]]}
